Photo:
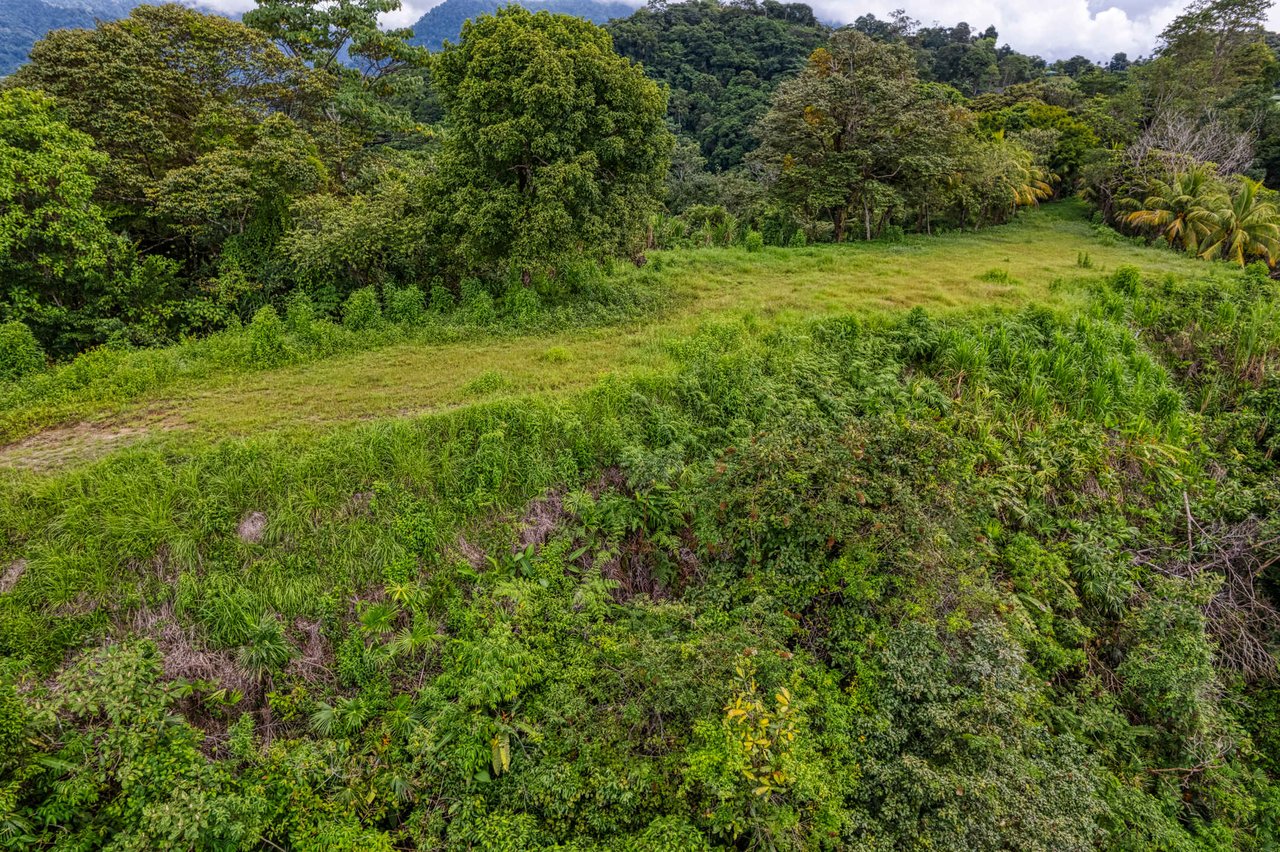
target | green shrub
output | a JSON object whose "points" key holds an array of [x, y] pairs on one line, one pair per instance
{"points": [[485, 383], [477, 302], [797, 240], [299, 312], [997, 276], [557, 355], [361, 310], [1126, 280], [404, 305], [754, 241], [266, 339], [893, 234], [521, 304], [442, 300], [20, 353]]}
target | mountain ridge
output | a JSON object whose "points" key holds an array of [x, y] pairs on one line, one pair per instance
{"points": [[24, 22], [444, 22]]}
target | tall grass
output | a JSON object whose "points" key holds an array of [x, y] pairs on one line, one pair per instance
{"points": [[349, 511]]}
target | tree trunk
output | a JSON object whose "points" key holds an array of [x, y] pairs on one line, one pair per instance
{"points": [[866, 216]]}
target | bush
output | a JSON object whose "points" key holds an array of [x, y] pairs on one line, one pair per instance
{"points": [[299, 312], [477, 302], [893, 234], [521, 304], [754, 241], [997, 276], [442, 301], [361, 310], [266, 342], [20, 353], [1126, 280], [798, 240], [404, 305]]}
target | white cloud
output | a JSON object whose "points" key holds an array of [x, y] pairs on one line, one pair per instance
{"points": [[1054, 29]]}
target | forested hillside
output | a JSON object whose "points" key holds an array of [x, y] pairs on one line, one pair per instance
{"points": [[444, 21], [714, 430], [24, 22]]}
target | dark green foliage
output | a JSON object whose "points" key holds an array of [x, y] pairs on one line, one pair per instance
{"points": [[20, 352], [856, 144], [556, 146], [209, 101], [721, 61]]}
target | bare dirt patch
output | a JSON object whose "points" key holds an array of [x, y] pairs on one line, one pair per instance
{"points": [[251, 527], [87, 440], [12, 575]]}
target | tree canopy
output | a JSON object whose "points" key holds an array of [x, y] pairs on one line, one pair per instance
{"points": [[721, 62], [554, 144]]}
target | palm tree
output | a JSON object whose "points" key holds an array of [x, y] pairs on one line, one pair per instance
{"points": [[1247, 227], [1181, 210], [1031, 184], [265, 651]]}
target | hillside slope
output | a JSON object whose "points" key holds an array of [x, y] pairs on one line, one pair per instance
{"points": [[826, 574], [24, 22], [444, 22]]}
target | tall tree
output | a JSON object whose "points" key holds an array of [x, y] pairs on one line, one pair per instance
{"points": [[160, 87], [555, 144], [1182, 210], [374, 68], [854, 132], [1248, 227], [53, 239], [64, 273], [208, 126], [1214, 56]]}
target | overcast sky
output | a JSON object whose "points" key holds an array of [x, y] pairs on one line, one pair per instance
{"points": [[1055, 29]]}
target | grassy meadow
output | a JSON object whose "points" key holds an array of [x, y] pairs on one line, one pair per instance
{"points": [[207, 388]]}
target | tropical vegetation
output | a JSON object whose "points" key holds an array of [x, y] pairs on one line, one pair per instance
{"points": [[711, 431]]}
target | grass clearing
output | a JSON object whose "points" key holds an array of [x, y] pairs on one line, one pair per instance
{"points": [[1036, 257]]}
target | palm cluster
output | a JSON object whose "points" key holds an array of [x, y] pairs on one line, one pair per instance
{"points": [[1197, 212]]}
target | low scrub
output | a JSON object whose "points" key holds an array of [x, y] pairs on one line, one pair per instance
{"points": [[928, 582]]}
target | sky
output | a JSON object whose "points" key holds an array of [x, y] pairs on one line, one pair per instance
{"points": [[1054, 29]]}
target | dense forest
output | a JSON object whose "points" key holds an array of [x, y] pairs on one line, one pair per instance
{"points": [[672, 520], [443, 22], [308, 154]]}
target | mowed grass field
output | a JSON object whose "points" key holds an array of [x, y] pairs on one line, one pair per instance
{"points": [[1037, 258]]}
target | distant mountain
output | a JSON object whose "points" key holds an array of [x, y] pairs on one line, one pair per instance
{"points": [[445, 21], [24, 22]]}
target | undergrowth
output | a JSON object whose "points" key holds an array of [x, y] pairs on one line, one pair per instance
{"points": [[991, 581]]}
